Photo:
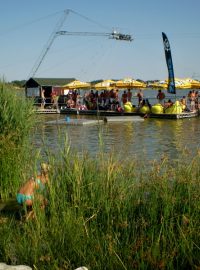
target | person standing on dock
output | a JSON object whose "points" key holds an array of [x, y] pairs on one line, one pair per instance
{"points": [[124, 97], [196, 100], [43, 99], [184, 103], [160, 96], [54, 100], [129, 95], [192, 101], [140, 96]]}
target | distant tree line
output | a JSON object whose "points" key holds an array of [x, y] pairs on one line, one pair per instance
{"points": [[18, 83], [21, 83]]}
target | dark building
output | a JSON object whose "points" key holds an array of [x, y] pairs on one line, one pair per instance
{"points": [[34, 86]]}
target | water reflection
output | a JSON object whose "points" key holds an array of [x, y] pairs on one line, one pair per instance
{"points": [[149, 139]]}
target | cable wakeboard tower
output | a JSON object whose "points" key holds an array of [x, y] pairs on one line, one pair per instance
{"points": [[113, 35]]}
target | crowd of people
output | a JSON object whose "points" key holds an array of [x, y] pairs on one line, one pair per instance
{"points": [[189, 103], [114, 100], [101, 100], [93, 100]]}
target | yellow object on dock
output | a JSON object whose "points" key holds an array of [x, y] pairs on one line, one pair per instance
{"points": [[128, 107], [157, 109], [176, 108], [145, 109]]}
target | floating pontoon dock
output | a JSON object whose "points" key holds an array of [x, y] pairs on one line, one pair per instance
{"points": [[123, 119], [75, 122]]}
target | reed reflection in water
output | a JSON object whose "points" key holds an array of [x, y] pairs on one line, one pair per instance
{"points": [[150, 139]]}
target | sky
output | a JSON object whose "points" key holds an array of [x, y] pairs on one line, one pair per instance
{"points": [[27, 29]]}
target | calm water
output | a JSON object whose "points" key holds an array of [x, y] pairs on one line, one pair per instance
{"points": [[149, 139]]}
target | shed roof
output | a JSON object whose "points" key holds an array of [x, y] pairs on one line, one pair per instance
{"points": [[50, 81]]}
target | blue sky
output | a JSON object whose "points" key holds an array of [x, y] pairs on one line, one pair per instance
{"points": [[26, 26]]}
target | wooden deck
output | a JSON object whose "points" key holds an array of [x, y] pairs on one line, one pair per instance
{"points": [[47, 111]]}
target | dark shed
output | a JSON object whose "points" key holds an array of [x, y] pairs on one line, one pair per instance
{"points": [[34, 86]]}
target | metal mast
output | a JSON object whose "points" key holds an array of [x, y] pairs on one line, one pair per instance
{"points": [[49, 43]]}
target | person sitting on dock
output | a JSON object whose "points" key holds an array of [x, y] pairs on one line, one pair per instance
{"points": [[168, 103], [70, 103], [33, 190]]}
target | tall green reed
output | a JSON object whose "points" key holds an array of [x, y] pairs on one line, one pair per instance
{"points": [[105, 216], [16, 121]]}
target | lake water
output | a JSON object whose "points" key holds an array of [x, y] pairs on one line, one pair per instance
{"points": [[150, 139]]}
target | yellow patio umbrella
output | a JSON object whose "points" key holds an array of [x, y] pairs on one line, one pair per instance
{"points": [[105, 85], [77, 85], [160, 84], [129, 83], [194, 84], [182, 83]]}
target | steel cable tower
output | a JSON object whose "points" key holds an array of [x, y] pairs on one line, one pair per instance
{"points": [[49, 43], [114, 35]]}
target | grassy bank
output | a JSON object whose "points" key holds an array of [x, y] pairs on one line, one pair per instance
{"points": [[104, 216], [107, 214]]}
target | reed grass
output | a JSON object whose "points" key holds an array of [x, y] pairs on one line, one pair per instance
{"points": [[16, 120], [107, 214], [104, 216]]}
